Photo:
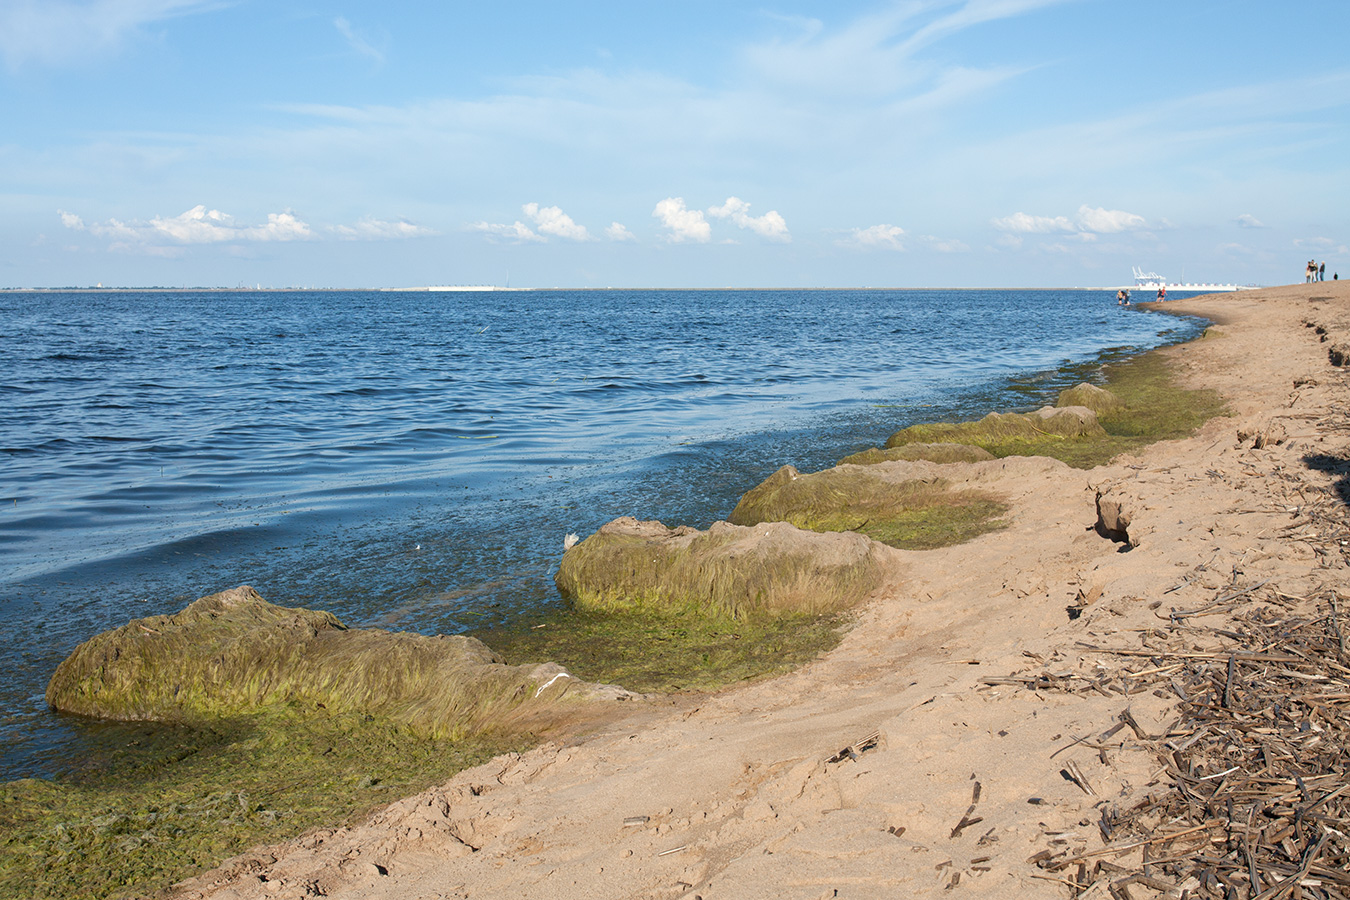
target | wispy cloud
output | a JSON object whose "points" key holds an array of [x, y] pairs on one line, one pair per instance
{"points": [[877, 55], [517, 232], [56, 32], [1247, 220], [770, 225], [381, 230], [884, 237], [619, 232], [357, 42], [682, 224]]}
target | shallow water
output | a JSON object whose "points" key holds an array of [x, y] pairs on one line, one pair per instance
{"points": [[413, 460]]}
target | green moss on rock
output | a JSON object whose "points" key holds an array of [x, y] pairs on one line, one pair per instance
{"points": [[1008, 434], [234, 654], [1099, 400], [909, 513], [727, 570], [938, 453]]}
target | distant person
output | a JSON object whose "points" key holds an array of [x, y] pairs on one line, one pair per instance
{"points": [[1162, 292], [1322, 272], [1309, 271], [1120, 297]]}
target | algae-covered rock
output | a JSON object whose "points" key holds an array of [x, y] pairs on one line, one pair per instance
{"points": [[1006, 434], [1099, 400], [906, 506], [727, 569], [233, 653], [938, 453]]}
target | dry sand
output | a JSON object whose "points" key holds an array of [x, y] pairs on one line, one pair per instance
{"points": [[746, 794]]}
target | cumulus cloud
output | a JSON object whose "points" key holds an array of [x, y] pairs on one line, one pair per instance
{"points": [[198, 225], [618, 232], [1108, 221], [770, 225], [885, 237], [1086, 224], [684, 224], [552, 220], [1247, 220], [54, 32], [518, 232]]}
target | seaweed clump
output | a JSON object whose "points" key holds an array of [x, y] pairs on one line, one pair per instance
{"points": [[234, 654], [938, 453], [1009, 434], [1090, 425], [911, 513], [725, 571]]}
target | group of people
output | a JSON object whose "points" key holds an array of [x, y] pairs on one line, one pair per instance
{"points": [[1123, 295], [1315, 271]]}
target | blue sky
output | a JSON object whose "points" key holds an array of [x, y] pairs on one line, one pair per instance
{"points": [[694, 144]]}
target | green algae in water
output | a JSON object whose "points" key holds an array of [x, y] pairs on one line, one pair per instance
{"points": [[157, 805], [1154, 408]]}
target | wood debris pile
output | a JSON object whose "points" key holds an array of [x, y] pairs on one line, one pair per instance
{"points": [[1252, 797]]}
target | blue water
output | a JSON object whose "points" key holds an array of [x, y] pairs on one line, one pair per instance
{"points": [[413, 460]]}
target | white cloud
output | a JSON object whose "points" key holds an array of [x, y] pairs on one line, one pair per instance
{"points": [[1022, 223], [196, 226], [618, 232], [1322, 245], [1089, 222], [381, 230], [1108, 221], [357, 42], [944, 245], [875, 55], [886, 237], [54, 32], [552, 220], [518, 232], [1247, 220], [684, 224], [770, 225]]}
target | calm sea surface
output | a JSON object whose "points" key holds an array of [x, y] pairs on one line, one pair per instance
{"points": [[413, 460]]}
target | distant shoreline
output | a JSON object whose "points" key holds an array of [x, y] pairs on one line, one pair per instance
{"points": [[493, 289]]}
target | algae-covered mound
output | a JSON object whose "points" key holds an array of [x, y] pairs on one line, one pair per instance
{"points": [[1008, 434], [938, 453], [906, 506], [233, 653], [1099, 400], [727, 569]]}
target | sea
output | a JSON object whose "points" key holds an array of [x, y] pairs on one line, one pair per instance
{"points": [[414, 460]]}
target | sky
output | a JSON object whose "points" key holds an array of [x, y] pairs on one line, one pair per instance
{"points": [[701, 143]]}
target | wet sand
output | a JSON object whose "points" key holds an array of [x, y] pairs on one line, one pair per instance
{"points": [[856, 776]]}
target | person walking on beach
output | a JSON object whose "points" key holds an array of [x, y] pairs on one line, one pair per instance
{"points": [[1322, 272], [1162, 292], [1309, 271]]}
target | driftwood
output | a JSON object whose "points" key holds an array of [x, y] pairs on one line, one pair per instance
{"points": [[1255, 775]]}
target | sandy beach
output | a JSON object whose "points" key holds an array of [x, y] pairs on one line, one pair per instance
{"points": [[957, 731]]}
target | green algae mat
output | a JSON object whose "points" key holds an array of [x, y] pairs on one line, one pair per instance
{"points": [[156, 804]]}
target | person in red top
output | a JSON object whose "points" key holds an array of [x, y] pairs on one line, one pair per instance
{"points": [[1162, 292]]}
